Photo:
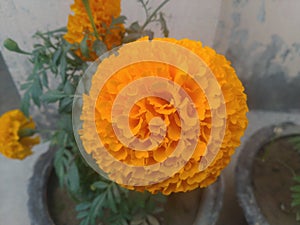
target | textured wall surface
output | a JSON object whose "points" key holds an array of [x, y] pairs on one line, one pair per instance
{"points": [[262, 40], [20, 19]]}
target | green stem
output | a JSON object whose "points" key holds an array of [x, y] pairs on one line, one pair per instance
{"points": [[145, 8], [62, 29], [154, 13], [90, 15]]}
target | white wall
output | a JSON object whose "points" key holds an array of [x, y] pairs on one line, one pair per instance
{"points": [[19, 19]]}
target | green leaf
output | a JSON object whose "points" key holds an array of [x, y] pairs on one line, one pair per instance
{"points": [[36, 92], [297, 178], [26, 86], [163, 25], [73, 178], [297, 146], [296, 188], [116, 193], [69, 88], [134, 27], [25, 103], [82, 214], [38, 46], [111, 201], [295, 202], [85, 222], [294, 139], [83, 206], [65, 105], [52, 96], [63, 66], [296, 195], [98, 201], [97, 206], [118, 20], [99, 47], [60, 137], [100, 185], [84, 47], [65, 123], [45, 79], [59, 165], [56, 56]]}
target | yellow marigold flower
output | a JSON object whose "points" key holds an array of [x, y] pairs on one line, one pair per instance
{"points": [[16, 138], [99, 123], [79, 25]]}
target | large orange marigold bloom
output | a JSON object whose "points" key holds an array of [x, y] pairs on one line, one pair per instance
{"points": [[98, 122], [79, 25], [16, 138]]}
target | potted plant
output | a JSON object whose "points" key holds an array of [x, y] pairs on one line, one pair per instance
{"points": [[194, 132], [268, 176], [50, 204]]}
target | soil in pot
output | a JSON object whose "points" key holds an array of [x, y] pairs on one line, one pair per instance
{"points": [[180, 208], [272, 179], [61, 206]]}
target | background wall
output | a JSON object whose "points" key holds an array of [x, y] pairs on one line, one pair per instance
{"points": [[262, 40], [20, 19], [259, 37]]}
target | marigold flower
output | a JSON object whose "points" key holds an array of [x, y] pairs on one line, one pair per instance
{"points": [[16, 138], [99, 104], [79, 25]]}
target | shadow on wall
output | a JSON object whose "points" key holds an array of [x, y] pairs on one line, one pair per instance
{"points": [[273, 92], [9, 97], [268, 84], [264, 48]]}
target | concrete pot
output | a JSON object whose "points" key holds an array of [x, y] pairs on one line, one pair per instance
{"points": [[244, 182], [208, 203]]}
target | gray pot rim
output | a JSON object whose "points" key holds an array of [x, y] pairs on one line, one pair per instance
{"points": [[243, 170], [208, 213]]}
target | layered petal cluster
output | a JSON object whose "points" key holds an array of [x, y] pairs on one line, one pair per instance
{"points": [[16, 140], [98, 122], [79, 25]]}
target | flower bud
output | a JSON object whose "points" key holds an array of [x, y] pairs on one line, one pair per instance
{"points": [[11, 45]]}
